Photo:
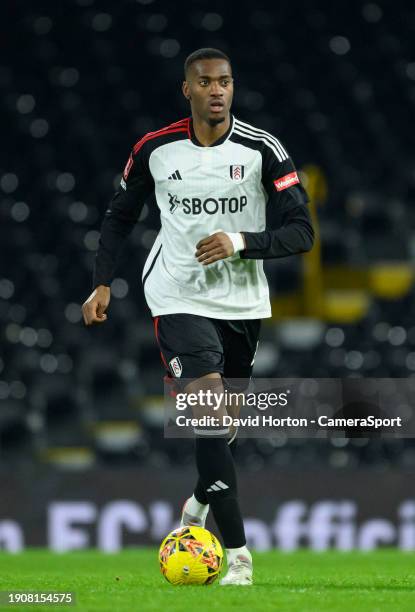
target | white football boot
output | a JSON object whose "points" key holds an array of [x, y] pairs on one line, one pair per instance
{"points": [[239, 570], [194, 514]]}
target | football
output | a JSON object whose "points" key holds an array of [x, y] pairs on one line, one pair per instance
{"points": [[190, 555]]}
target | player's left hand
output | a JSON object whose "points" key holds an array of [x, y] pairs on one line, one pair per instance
{"points": [[213, 248]]}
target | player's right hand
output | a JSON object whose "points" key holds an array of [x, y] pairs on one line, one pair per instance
{"points": [[93, 309]]}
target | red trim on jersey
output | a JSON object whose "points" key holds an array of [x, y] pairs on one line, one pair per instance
{"points": [[180, 126], [156, 331], [150, 136], [128, 167], [184, 121], [188, 128]]}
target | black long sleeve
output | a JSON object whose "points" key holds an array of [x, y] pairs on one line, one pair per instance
{"points": [[289, 228], [294, 234], [118, 223], [121, 216]]}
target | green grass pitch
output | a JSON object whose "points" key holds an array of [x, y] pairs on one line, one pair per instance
{"points": [[296, 582]]}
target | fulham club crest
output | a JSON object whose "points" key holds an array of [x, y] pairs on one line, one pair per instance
{"points": [[237, 173], [176, 367]]}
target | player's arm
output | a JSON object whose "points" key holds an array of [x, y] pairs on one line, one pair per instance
{"points": [[290, 228], [119, 219]]}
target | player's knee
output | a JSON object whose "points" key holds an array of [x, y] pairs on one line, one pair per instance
{"points": [[212, 381], [206, 397]]}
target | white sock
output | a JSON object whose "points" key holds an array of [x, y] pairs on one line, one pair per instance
{"points": [[232, 553], [195, 508]]}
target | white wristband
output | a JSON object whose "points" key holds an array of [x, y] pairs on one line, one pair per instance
{"points": [[237, 241]]}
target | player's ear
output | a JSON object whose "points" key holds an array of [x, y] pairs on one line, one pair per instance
{"points": [[185, 90]]}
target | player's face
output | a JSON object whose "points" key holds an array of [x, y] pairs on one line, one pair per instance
{"points": [[209, 87]]}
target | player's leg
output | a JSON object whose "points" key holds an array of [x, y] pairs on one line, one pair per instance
{"points": [[195, 344], [196, 508], [199, 493], [218, 477], [240, 342], [240, 345]]}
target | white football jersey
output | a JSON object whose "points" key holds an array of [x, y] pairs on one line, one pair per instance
{"points": [[199, 191]]}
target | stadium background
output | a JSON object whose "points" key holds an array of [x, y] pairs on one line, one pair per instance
{"points": [[83, 461]]}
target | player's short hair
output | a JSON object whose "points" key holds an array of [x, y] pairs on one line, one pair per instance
{"points": [[205, 53]]}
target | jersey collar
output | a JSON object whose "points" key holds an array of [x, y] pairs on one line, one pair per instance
{"points": [[217, 142]]}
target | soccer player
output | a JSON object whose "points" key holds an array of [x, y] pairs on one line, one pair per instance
{"points": [[216, 180]]}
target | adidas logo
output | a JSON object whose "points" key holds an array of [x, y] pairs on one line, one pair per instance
{"points": [[217, 486], [175, 176]]}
